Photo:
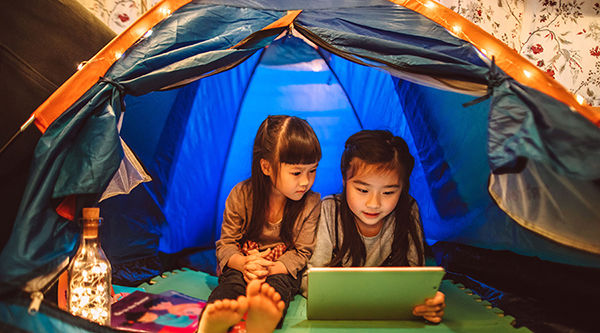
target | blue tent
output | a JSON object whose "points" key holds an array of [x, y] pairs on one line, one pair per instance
{"points": [[182, 104]]}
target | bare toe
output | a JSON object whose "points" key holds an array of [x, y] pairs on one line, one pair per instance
{"points": [[222, 314], [265, 308], [242, 305], [253, 288]]}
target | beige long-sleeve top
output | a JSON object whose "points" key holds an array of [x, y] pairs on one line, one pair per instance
{"points": [[237, 215]]}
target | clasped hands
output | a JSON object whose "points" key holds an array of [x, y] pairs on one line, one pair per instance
{"points": [[256, 266]]}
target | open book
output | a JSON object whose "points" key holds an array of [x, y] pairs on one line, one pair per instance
{"points": [[169, 311]]}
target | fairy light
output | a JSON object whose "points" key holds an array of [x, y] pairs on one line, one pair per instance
{"points": [[88, 293], [148, 33], [527, 73], [429, 4], [579, 99], [457, 29], [165, 11], [81, 64], [118, 55]]}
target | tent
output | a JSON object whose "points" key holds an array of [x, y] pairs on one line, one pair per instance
{"points": [[506, 158], [42, 42]]}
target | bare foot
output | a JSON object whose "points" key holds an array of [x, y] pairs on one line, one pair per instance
{"points": [[265, 307], [222, 314]]}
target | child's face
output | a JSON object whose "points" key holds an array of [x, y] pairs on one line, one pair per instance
{"points": [[372, 195], [294, 180]]}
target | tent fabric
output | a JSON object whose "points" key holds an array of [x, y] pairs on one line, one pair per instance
{"points": [[208, 128], [526, 196], [48, 319], [41, 44]]}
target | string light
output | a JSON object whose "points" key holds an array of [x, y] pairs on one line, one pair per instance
{"points": [[165, 11], [527, 73], [429, 4], [81, 64], [88, 294], [148, 33], [118, 55], [579, 99]]}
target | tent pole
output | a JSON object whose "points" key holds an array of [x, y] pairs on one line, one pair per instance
{"points": [[21, 130], [341, 86]]}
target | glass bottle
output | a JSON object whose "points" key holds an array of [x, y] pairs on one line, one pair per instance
{"points": [[89, 275]]}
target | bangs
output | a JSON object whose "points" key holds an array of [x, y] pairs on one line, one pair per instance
{"points": [[359, 166], [299, 145]]}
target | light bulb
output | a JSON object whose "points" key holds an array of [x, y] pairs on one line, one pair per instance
{"points": [[165, 11]]}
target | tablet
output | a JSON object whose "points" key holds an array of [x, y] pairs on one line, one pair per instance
{"points": [[369, 293]]}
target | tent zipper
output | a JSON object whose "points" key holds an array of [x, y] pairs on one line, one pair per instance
{"points": [[36, 299], [37, 296]]}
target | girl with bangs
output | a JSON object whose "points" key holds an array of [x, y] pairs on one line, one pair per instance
{"points": [[374, 221], [268, 229]]}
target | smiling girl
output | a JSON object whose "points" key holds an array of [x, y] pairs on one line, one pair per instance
{"points": [[374, 221]]}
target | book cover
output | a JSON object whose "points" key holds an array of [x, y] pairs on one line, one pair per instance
{"points": [[167, 312]]}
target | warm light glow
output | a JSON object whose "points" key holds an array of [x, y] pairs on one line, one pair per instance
{"points": [[118, 55], [165, 11], [81, 64], [527, 73], [457, 29], [484, 51], [429, 4], [89, 298], [148, 33], [580, 99]]}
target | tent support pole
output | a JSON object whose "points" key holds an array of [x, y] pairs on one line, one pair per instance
{"points": [[21, 130]]}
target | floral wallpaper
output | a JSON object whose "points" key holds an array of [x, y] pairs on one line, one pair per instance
{"points": [[564, 40], [118, 14], [562, 37]]}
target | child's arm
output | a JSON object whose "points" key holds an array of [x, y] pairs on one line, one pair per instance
{"points": [[324, 242], [325, 235], [235, 216], [296, 258]]}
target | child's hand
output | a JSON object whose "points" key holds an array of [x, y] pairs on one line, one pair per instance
{"points": [[433, 308], [256, 267]]}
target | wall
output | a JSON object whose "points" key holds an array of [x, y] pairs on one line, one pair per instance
{"points": [[562, 37]]}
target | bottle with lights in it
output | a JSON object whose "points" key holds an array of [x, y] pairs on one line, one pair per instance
{"points": [[89, 274]]}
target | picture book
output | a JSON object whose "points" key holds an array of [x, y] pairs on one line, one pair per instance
{"points": [[167, 312]]}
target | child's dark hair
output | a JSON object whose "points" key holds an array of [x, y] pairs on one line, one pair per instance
{"points": [[381, 151], [280, 139]]}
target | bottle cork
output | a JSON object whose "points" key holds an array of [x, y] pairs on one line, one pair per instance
{"points": [[91, 213], [91, 220]]}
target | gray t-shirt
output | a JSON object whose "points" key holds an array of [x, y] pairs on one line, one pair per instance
{"points": [[378, 247]]}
